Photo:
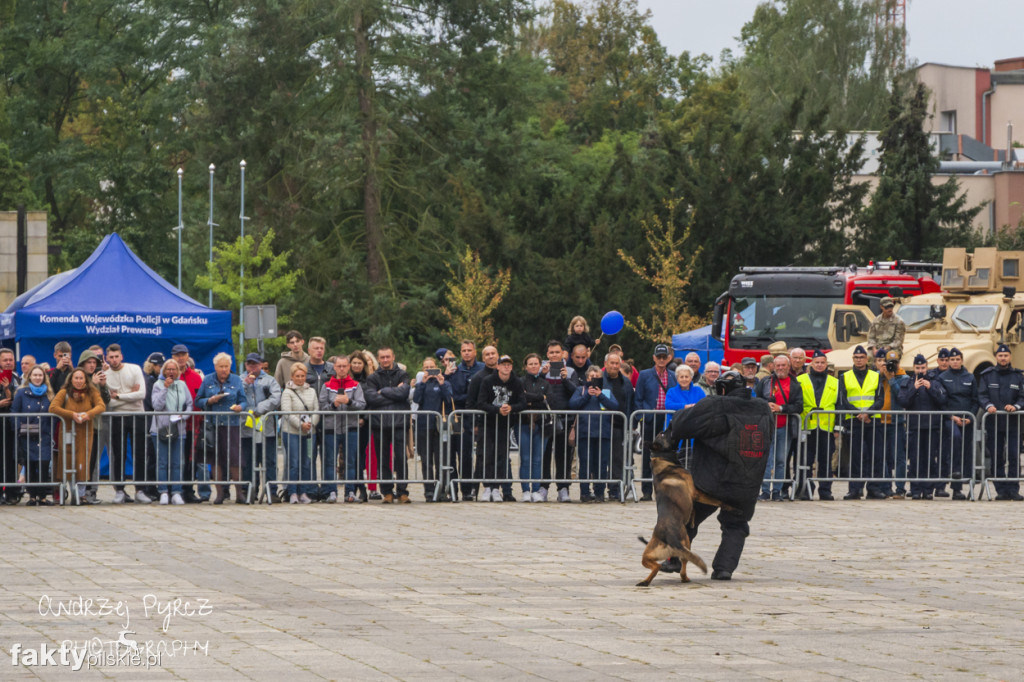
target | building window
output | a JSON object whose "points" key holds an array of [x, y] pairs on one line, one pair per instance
{"points": [[947, 121]]}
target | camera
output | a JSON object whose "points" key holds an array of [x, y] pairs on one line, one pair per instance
{"points": [[892, 365]]}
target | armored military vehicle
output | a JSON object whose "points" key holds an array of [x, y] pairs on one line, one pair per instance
{"points": [[981, 305]]}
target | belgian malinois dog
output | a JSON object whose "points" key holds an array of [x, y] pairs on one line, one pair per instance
{"points": [[675, 494]]}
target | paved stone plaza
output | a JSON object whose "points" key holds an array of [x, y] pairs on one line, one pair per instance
{"points": [[841, 590]]}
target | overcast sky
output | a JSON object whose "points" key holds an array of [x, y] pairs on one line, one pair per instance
{"points": [[957, 32]]}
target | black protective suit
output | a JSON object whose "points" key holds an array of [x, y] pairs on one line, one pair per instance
{"points": [[732, 437]]}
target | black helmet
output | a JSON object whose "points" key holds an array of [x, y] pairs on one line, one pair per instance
{"points": [[730, 381]]}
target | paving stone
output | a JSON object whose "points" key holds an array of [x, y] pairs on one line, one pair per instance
{"points": [[853, 590]]}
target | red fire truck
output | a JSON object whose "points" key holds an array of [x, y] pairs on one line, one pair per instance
{"points": [[793, 304]]}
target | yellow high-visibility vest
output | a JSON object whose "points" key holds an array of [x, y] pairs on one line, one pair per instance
{"points": [[861, 397], [829, 396]]}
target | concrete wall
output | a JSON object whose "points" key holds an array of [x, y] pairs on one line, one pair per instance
{"points": [[978, 188], [1007, 104], [37, 253], [952, 88]]}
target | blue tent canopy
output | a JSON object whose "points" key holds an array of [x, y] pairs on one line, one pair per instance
{"points": [[700, 342], [113, 297]]}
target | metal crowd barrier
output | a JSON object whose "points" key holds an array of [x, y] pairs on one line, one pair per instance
{"points": [[202, 449], [564, 448], [885, 452], [30, 463], [454, 454], [646, 424], [353, 453], [998, 464]]}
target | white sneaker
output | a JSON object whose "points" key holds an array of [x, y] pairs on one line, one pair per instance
{"points": [[497, 496], [142, 498], [541, 495], [120, 497], [526, 497], [563, 494], [176, 498], [332, 498], [485, 496], [164, 499], [304, 499], [294, 499]]}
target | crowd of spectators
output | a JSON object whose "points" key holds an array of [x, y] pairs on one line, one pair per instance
{"points": [[362, 417]]}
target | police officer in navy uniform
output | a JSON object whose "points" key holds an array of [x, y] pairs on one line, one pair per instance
{"points": [[957, 431], [1001, 394], [921, 394], [860, 390]]}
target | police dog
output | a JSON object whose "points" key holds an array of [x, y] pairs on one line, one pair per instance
{"points": [[675, 494]]}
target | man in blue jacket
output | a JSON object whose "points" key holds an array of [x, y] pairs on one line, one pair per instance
{"points": [[651, 387], [921, 394], [462, 443]]}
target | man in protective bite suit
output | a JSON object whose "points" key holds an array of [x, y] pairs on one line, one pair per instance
{"points": [[732, 434]]}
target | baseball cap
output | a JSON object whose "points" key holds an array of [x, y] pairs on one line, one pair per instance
{"points": [[505, 358], [156, 358], [748, 361], [887, 302], [179, 348], [254, 357], [662, 349], [440, 352]]}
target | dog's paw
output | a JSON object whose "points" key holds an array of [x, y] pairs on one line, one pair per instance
{"points": [[644, 583]]}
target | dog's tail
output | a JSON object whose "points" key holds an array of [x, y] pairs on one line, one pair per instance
{"points": [[686, 554]]}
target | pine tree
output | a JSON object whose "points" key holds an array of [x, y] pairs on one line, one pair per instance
{"points": [[910, 216]]}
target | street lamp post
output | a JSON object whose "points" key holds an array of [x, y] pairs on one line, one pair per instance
{"points": [[241, 261], [211, 224], [180, 226]]}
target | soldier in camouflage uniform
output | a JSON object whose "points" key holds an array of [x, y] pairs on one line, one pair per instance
{"points": [[887, 330]]}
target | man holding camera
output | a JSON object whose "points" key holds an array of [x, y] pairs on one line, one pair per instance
{"points": [[893, 440], [921, 394], [888, 329]]}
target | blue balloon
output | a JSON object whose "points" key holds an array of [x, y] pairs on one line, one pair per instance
{"points": [[612, 322]]}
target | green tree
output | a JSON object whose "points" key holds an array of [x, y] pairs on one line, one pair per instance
{"points": [[909, 215], [834, 53], [473, 295], [762, 194], [14, 184], [268, 278], [668, 271], [616, 71]]}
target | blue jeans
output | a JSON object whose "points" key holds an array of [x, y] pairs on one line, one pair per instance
{"points": [[595, 458], [299, 450], [776, 469], [169, 454], [348, 441], [531, 455]]}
